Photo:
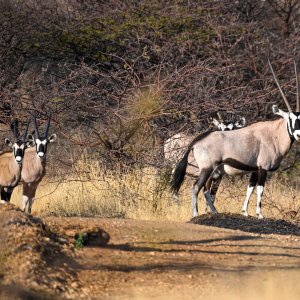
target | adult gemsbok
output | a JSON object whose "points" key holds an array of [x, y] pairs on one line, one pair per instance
{"points": [[175, 146], [11, 161], [258, 148], [34, 165]]}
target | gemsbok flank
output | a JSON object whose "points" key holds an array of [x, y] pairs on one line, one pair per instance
{"points": [[11, 161], [175, 146], [258, 148], [34, 165]]}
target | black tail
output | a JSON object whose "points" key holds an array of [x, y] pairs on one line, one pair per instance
{"points": [[180, 171]]}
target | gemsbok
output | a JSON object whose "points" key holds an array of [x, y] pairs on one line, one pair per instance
{"points": [[258, 148], [11, 161], [175, 146], [34, 165]]}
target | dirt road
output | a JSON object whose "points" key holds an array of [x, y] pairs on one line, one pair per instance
{"points": [[168, 260]]}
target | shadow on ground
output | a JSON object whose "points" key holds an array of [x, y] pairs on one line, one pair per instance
{"points": [[248, 224]]}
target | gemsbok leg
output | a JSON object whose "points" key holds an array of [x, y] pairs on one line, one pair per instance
{"points": [[29, 190], [212, 185], [198, 185], [6, 194], [252, 183], [262, 176]]}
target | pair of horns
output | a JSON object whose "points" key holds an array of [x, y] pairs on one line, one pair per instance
{"points": [[281, 92], [37, 127]]}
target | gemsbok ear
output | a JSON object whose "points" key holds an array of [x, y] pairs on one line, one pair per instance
{"points": [[279, 112], [241, 122], [30, 140], [8, 142], [215, 122], [52, 138]]}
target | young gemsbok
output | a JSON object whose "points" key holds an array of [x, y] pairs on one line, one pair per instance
{"points": [[258, 148], [11, 161], [34, 165], [175, 146]]}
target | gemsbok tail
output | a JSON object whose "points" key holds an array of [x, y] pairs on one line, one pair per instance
{"points": [[180, 170]]}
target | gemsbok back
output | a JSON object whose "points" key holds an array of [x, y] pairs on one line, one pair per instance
{"points": [[34, 165], [175, 146], [258, 148], [11, 161]]}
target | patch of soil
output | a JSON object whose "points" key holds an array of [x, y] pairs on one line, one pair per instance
{"points": [[36, 261], [248, 224], [147, 259]]}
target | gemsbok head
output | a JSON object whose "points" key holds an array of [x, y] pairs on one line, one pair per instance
{"points": [[229, 123], [20, 142], [257, 149], [11, 162], [34, 165], [41, 142]]}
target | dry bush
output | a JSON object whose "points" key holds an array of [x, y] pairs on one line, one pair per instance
{"points": [[144, 194]]}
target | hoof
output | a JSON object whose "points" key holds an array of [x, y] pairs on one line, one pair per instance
{"points": [[260, 216], [245, 213]]}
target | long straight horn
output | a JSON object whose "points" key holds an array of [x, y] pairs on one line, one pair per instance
{"points": [[36, 127], [297, 86], [278, 85], [25, 133], [15, 129], [220, 117], [47, 128]]}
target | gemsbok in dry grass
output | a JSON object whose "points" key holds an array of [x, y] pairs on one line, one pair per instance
{"points": [[11, 161], [34, 165], [175, 146], [258, 148]]}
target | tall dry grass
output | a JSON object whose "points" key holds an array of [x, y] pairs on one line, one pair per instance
{"points": [[144, 194]]}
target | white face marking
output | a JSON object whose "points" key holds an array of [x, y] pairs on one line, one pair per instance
{"points": [[296, 133], [16, 147], [293, 118], [38, 142], [230, 126], [222, 126]]}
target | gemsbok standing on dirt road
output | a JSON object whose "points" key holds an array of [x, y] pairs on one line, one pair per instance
{"points": [[175, 146], [11, 161], [258, 148], [34, 165]]}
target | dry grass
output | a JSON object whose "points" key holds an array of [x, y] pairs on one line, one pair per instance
{"points": [[144, 194]]}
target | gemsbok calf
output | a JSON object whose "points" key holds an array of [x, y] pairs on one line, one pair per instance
{"points": [[34, 165], [258, 148], [11, 161], [175, 146]]}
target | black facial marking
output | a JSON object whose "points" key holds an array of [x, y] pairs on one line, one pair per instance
{"points": [[41, 148], [297, 121], [19, 152], [297, 125]]}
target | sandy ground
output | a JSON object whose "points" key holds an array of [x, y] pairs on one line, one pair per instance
{"points": [[150, 259]]}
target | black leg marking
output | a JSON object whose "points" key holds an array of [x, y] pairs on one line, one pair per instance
{"points": [[6, 194], [253, 179]]}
